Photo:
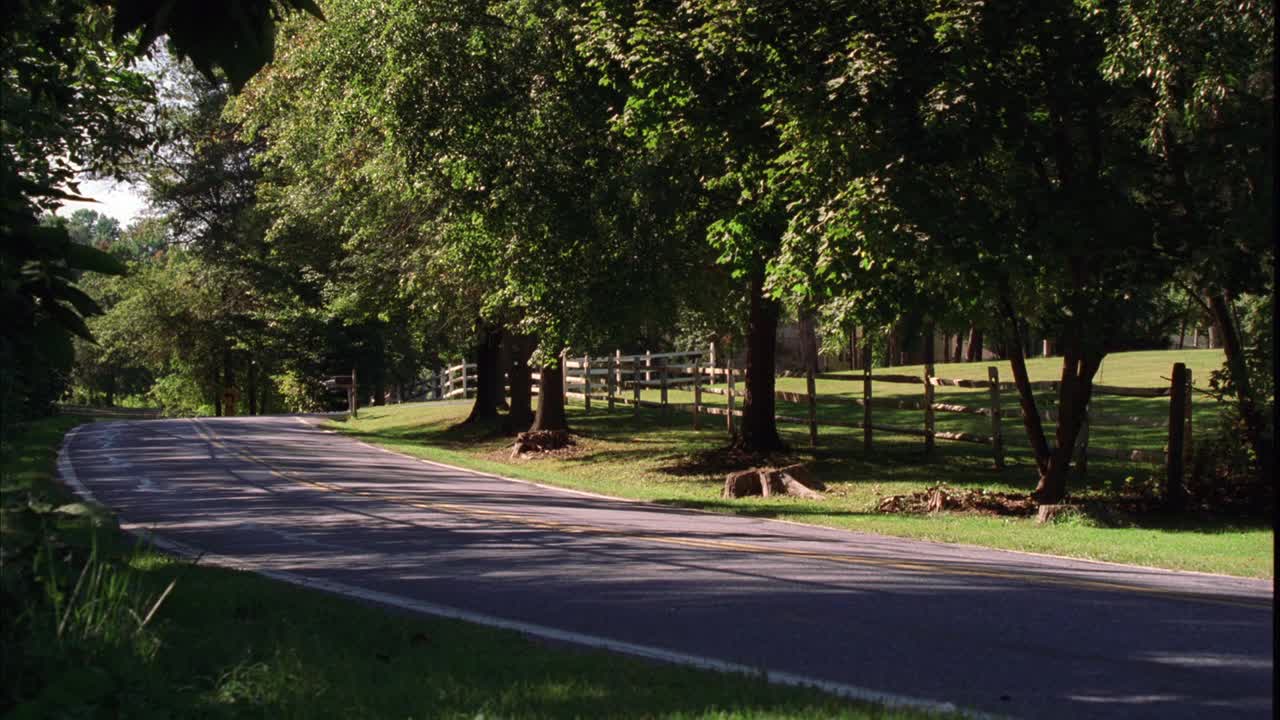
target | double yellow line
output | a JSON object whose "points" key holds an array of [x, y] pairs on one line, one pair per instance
{"points": [[907, 565]]}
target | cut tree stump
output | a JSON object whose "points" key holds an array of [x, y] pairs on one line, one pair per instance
{"points": [[794, 480], [801, 473], [937, 500], [1047, 513], [536, 441], [742, 483]]}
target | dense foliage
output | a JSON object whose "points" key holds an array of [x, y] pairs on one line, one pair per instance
{"points": [[411, 184]]}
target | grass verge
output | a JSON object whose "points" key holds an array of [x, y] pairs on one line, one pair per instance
{"points": [[649, 455], [229, 644]]}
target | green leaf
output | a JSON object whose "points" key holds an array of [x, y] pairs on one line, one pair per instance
{"points": [[68, 319], [84, 257]]}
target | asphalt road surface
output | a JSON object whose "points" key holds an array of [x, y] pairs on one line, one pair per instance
{"points": [[997, 632]]}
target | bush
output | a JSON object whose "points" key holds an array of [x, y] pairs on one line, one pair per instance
{"points": [[1224, 472], [180, 396], [298, 393]]}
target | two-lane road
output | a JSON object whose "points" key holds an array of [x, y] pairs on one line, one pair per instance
{"points": [[1002, 632]]}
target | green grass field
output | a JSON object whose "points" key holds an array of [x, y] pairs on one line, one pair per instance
{"points": [[228, 644], [657, 456]]}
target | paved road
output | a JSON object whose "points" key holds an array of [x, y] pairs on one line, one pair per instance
{"points": [[1005, 633]]}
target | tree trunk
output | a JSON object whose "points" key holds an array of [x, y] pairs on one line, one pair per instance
{"points": [[500, 378], [487, 352], [759, 429], [808, 342], [520, 414], [551, 400], [111, 389], [1074, 392], [1076, 388], [1254, 425], [253, 387], [956, 355], [975, 344], [1030, 413], [217, 394], [228, 379]]}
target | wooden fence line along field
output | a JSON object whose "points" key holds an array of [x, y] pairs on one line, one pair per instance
{"points": [[607, 379], [1177, 447]]}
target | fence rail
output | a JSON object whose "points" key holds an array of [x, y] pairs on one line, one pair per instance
{"points": [[619, 374], [619, 379]]}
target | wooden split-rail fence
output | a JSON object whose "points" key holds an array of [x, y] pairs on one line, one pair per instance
{"points": [[618, 379]]}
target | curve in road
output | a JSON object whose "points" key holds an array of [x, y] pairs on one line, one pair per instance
{"points": [[900, 621]]}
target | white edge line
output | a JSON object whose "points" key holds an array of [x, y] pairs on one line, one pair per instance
{"points": [[66, 471], [796, 523]]}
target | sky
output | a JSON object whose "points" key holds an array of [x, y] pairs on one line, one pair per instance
{"points": [[123, 201], [118, 200]]}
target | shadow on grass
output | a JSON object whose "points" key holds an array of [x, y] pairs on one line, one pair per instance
{"points": [[667, 448]]}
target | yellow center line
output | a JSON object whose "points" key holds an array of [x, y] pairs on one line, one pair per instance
{"points": [[700, 543]]}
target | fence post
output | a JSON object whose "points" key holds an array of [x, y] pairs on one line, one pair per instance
{"points": [[610, 378], [1188, 444], [713, 358], [929, 440], [662, 379], [728, 369], [866, 396], [1175, 492], [697, 392], [635, 382], [617, 379], [464, 377], [354, 398], [997, 436], [813, 406], [586, 380], [648, 363], [440, 383]]}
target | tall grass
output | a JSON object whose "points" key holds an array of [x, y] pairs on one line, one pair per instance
{"points": [[107, 607]]}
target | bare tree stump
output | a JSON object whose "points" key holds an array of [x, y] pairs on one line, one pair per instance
{"points": [[742, 483], [1047, 513], [536, 441], [801, 473], [793, 480]]}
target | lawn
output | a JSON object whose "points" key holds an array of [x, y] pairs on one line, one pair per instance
{"points": [[228, 644], [655, 455]]}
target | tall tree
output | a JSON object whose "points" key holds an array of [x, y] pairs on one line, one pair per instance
{"points": [[508, 169], [1203, 76], [691, 90]]}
